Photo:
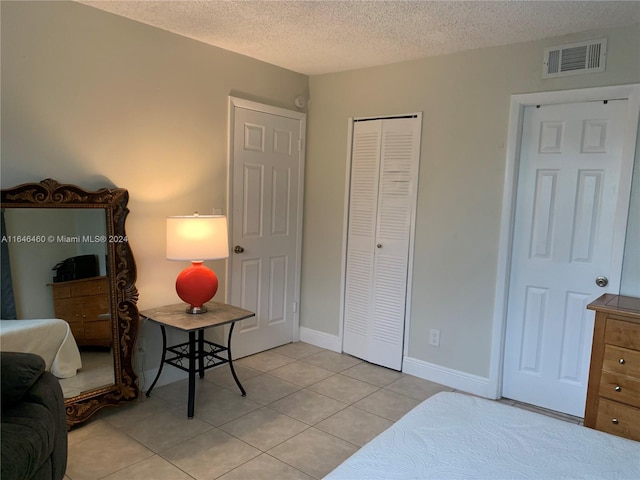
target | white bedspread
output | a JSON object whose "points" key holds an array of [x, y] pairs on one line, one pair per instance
{"points": [[50, 338], [458, 436]]}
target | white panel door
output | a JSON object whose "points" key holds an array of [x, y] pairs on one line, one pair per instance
{"points": [[267, 156], [563, 236], [385, 157]]}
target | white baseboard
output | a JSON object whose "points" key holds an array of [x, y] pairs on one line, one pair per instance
{"points": [[321, 339], [466, 382]]}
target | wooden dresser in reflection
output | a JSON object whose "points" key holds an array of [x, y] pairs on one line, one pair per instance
{"points": [[613, 393], [85, 305]]}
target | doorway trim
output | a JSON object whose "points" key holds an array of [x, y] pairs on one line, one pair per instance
{"points": [[514, 139], [236, 102]]}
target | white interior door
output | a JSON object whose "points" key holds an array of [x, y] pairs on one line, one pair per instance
{"points": [[266, 196], [382, 199], [570, 168]]}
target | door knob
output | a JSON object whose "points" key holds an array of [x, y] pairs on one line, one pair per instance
{"points": [[238, 249], [379, 245], [602, 281]]}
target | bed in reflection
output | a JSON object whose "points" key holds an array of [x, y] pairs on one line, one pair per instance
{"points": [[78, 369], [50, 338]]}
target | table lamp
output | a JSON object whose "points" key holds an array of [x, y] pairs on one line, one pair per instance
{"points": [[197, 238]]}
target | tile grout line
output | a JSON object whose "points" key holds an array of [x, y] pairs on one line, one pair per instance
{"points": [[297, 469], [409, 386], [308, 426]]}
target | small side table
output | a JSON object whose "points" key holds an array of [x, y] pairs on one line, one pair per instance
{"points": [[207, 354]]}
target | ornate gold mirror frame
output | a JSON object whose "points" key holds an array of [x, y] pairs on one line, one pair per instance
{"points": [[122, 277]]}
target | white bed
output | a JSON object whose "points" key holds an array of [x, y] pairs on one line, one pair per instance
{"points": [[458, 436], [50, 338]]}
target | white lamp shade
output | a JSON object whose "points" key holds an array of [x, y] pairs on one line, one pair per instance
{"points": [[197, 237]]}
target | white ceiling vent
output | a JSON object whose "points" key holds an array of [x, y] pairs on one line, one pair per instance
{"points": [[575, 58]]}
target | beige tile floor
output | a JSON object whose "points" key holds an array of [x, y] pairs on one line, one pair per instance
{"points": [[306, 410], [96, 371]]}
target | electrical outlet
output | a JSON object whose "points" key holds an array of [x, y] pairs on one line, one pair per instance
{"points": [[434, 337]]}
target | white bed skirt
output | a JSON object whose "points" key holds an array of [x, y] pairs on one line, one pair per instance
{"points": [[50, 338], [458, 436]]}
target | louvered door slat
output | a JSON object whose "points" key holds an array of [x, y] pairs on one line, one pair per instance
{"points": [[396, 200], [365, 166], [384, 173]]}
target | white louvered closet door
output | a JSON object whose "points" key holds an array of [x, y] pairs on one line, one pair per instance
{"points": [[382, 199]]}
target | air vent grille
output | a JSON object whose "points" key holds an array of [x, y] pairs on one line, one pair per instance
{"points": [[575, 58]]}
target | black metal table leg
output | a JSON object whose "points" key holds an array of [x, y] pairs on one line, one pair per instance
{"points": [[192, 373], [201, 352], [233, 370], [164, 355]]}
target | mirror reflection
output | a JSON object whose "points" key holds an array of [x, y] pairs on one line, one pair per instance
{"points": [[60, 281]]}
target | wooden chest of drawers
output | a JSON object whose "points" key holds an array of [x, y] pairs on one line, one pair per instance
{"points": [[85, 305], [613, 394]]}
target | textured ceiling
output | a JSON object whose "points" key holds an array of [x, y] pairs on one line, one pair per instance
{"points": [[315, 37]]}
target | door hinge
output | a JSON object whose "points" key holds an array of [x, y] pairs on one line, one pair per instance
{"points": [[295, 307]]}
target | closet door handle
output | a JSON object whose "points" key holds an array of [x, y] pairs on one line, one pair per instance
{"points": [[379, 245]]}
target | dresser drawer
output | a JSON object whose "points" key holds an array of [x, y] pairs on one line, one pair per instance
{"points": [[78, 309], [90, 287], [97, 330], [621, 360], [623, 334], [69, 309], [95, 306], [61, 291], [620, 388], [85, 304], [618, 419], [78, 331]]}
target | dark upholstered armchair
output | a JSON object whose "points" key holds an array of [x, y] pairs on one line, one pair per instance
{"points": [[34, 430]]}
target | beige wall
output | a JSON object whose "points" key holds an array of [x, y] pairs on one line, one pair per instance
{"points": [[465, 101], [95, 99]]}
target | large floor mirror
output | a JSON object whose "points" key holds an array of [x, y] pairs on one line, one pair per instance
{"points": [[68, 290]]}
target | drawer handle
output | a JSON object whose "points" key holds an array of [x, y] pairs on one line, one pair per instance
{"points": [[614, 421], [618, 388], [621, 361]]}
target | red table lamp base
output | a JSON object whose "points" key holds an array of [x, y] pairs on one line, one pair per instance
{"points": [[196, 285]]}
